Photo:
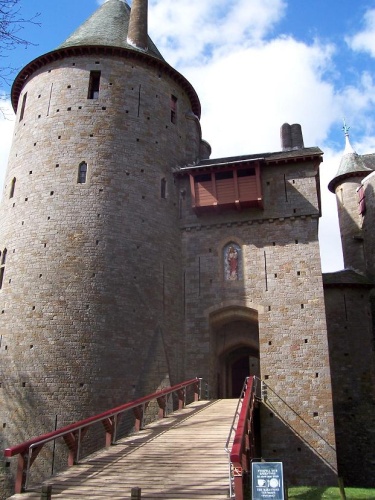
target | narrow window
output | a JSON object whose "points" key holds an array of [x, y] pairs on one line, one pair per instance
{"points": [[361, 200], [3, 257], [173, 109], [94, 85], [12, 187], [82, 173], [2, 267], [23, 106], [163, 188]]}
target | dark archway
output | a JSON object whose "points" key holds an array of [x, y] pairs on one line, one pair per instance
{"points": [[235, 337], [239, 372], [238, 364]]}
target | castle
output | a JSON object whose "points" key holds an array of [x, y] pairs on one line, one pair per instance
{"points": [[129, 258]]}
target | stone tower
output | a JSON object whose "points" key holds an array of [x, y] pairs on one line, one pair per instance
{"points": [[90, 247], [345, 184], [350, 312]]}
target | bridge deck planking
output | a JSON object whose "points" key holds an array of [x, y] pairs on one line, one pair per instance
{"points": [[181, 457]]}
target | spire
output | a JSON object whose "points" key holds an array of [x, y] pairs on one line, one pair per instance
{"points": [[348, 147], [138, 25], [351, 164]]}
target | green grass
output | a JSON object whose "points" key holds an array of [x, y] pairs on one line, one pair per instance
{"points": [[312, 493]]}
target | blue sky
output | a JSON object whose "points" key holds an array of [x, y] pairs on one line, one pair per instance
{"points": [[255, 65]]}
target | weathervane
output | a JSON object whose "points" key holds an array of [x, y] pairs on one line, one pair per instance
{"points": [[348, 147], [345, 128]]}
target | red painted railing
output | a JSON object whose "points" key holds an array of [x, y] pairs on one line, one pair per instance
{"points": [[243, 447], [73, 434]]}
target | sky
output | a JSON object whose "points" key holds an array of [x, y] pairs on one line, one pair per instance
{"points": [[255, 65]]}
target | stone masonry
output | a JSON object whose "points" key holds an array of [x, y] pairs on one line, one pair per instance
{"points": [[130, 259]]}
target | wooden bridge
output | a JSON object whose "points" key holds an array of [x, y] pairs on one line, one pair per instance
{"points": [[179, 457]]}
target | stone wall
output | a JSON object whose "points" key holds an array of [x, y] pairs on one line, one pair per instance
{"points": [[91, 296], [351, 348], [280, 295]]}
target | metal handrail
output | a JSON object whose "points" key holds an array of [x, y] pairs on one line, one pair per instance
{"points": [[28, 450], [240, 425]]}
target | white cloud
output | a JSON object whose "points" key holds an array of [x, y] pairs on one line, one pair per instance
{"points": [[364, 41], [249, 93], [196, 30], [6, 133]]}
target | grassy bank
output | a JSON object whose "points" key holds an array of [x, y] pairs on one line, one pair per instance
{"points": [[312, 493]]}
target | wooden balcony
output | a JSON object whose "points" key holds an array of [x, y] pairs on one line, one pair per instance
{"points": [[230, 188]]}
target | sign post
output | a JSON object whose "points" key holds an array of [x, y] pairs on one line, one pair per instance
{"points": [[267, 481]]}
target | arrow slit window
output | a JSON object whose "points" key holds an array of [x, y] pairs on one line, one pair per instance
{"points": [[173, 109], [2, 266]]}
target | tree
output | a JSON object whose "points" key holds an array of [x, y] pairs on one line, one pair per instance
{"points": [[11, 25]]}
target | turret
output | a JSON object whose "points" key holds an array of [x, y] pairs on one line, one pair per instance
{"points": [[346, 185]]}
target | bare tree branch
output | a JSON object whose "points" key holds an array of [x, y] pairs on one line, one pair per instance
{"points": [[11, 25]]}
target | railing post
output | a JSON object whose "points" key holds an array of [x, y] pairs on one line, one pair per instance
{"points": [[197, 389], [115, 424], [238, 483], [136, 494], [181, 398], [21, 472], [162, 406], [143, 415], [78, 446], [46, 492], [167, 398], [138, 418]]}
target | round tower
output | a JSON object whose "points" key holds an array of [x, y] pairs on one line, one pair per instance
{"points": [[91, 285], [346, 185]]}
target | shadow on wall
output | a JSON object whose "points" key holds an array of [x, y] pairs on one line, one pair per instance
{"points": [[155, 370], [305, 459], [353, 379], [19, 401]]}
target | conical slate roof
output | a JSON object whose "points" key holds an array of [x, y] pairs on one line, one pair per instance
{"points": [[107, 26], [351, 164]]}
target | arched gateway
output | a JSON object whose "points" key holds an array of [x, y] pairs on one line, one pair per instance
{"points": [[235, 341]]}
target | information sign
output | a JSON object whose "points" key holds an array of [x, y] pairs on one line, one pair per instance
{"points": [[267, 480]]}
